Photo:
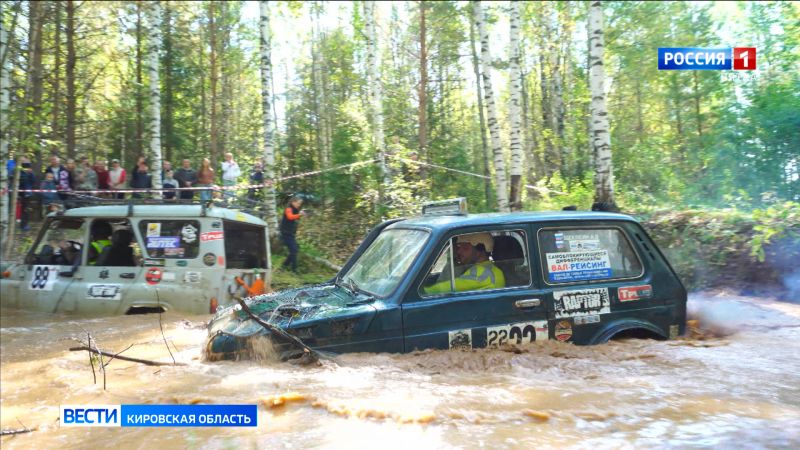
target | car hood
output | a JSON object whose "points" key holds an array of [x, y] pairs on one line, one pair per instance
{"points": [[291, 309]]}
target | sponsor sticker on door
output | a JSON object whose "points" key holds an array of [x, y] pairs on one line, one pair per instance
{"points": [[104, 292], [632, 293], [212, 236], [581, 302]]}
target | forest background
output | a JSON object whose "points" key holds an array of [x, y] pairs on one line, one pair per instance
{"points": [[82, 74]]}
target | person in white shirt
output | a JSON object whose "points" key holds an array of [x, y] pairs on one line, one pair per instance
{"points": [[230, 174]]}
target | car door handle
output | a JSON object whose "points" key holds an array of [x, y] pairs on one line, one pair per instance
{"points": [[127, 275], [529, 303]]}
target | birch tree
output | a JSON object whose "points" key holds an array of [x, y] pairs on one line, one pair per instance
{"points": [[501, 184], [375, 89], [515, 110], [266, 110], [5, 87], [487, 185], [154, 44], [600, 137]]}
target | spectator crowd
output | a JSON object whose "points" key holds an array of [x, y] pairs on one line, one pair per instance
{"points": [[77, 181]]}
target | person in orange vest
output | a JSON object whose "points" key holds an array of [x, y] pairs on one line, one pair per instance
{"points": [[258, 286], [288, 227]]}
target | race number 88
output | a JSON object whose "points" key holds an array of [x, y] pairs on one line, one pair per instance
{"points": [[40, 276]]}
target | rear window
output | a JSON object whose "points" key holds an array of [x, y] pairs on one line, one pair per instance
{"points": [[245, 246], [587, 254], [179, 239]]}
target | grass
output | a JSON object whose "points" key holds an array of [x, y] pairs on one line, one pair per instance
{"points": [[308, 272]]}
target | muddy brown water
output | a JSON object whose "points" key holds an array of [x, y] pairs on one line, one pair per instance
{"points": [[735, 386]]}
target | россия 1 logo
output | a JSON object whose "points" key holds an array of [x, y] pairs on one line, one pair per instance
{"points": [[693, 58]]}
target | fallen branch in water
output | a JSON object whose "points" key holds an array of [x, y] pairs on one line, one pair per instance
{"points": [[309, 354], [146, 362], [13, 431], [10, 431]]}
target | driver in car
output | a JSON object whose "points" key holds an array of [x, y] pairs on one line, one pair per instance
{"points": [[59, 250], [473, 250]]}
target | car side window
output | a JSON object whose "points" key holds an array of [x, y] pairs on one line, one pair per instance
{"points": [[178, 239], [588, 254], [441, 272], [61, 243], [480, 261], [113, 244]]}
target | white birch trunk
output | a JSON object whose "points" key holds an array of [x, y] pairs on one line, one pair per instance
{"points": [[515, 110], [375, 88], [266, 108], [153, 52], [600, 137], [5, 86], [501, 183]]}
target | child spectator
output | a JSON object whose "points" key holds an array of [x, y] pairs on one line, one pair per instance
{"points": [[169, 183], [49, 198]]}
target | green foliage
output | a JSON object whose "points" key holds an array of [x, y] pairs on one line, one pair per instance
{"points": [[780, 221]]}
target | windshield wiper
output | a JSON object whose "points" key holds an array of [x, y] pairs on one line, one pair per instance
{"points": [[342, 283]]}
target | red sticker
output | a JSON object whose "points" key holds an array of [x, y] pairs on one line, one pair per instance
{"points": [[631, 293], [221, 260], [212, 236], [153, 275]]}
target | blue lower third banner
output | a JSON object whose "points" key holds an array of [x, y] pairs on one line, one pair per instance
{"points": [[159, 415]]}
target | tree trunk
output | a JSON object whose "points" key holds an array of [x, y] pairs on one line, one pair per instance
{"points": [[375, 88], [226, 94], [154, 37], [55, 127], [515, 116], [600, 136], [35, 71], [501, 188], [70, 78], [168, 128], [698, 115], [5, 88], [487, 182], [557, 61], [423, 87], [139, 84], [266, 111], [212, 33], [323, 134]]}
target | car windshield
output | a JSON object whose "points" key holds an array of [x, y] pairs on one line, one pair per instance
{"points": [[383, 265]]}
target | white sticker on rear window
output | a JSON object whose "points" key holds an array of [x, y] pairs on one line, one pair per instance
{"points": [[578, 266], [583, 302], [154, 229]]}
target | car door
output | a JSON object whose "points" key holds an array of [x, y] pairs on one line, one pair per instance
{"points": [[51, 264], [103, 285], [511, 314]]}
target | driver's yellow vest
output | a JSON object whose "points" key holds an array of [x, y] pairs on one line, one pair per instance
{"points": [[484, 275], [98, 246]]}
